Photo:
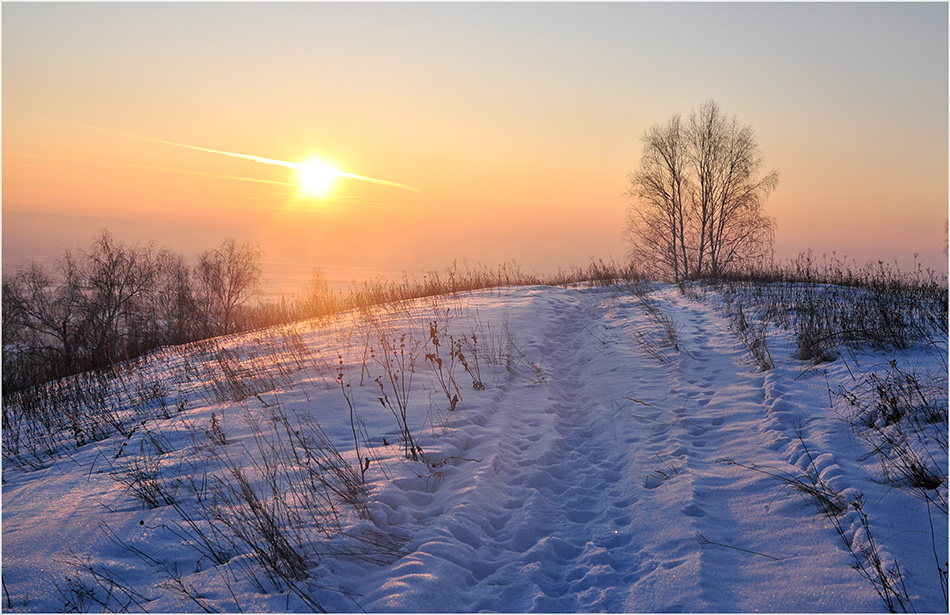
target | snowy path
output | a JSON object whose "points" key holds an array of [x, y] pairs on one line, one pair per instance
{"points": [[583, 499]]}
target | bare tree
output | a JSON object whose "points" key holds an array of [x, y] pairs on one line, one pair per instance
{"points": [[117, 277], [174, 302], [658, 229], [729, 194], [697, 200], [228, 276], [116, 301], [43, 323]]}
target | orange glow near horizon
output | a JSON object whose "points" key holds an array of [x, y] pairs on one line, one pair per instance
{"points": [[481, 139]]}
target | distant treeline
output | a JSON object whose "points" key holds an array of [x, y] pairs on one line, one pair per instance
{"points": [[114, 302]]}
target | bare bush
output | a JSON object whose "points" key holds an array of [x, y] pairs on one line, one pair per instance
{"points": [[397, 358], [834, 304], [444, 370], [901, 415]]}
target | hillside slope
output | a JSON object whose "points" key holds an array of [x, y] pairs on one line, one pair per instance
{"points": [[625, 453]]}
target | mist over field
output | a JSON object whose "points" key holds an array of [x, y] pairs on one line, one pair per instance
{"points": [[42, 238]]}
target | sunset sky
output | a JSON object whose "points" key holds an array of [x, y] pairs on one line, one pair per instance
{"points": [[500, 131]]}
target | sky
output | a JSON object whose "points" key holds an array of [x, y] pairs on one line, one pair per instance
{"points": [[505, 132]]}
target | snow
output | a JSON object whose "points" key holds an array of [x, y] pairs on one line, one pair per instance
{"points": [[600, 469]]}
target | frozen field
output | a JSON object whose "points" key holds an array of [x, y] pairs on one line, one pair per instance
{"points": [[624, 452]]}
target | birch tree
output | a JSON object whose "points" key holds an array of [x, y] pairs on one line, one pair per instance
{"points": [[697, 200], [658, 228], [730, 192]]}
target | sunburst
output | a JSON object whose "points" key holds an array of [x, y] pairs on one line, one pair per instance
{"points": [[316, 178]]}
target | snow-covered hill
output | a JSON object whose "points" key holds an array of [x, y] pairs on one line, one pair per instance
{"points": [[607, 451]]}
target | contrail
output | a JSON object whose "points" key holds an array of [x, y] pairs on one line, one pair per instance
{"points": [[146, 167], [282, 163]]}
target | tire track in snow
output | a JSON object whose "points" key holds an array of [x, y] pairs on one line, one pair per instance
{"points": [[719, 397], [574, 548], [722, 412], [543, 519]]}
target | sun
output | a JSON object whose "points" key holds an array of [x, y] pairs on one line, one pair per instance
{"points": [[316, 178]]}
